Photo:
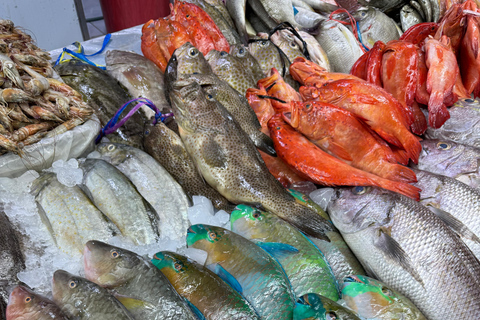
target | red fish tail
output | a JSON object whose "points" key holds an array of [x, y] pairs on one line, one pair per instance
{"points": [[400, 187], [412, 146], [397, 172], [419, 125], [437, 111]]}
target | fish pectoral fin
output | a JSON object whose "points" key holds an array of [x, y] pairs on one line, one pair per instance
{"points": [[392, 249], [338, 150], [213, 154], [228, 278], [456, 225], [132, 303], [278, 250], [195, 310], [265, 143]]}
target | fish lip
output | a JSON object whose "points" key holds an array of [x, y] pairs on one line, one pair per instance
{"points": [[190, 230]]}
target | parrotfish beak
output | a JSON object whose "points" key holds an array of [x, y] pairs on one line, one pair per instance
{"points": [[159, 260], [194, 233], [239, 212]]}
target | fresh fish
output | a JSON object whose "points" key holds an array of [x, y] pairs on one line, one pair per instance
{"points": [[247, 268], [249, 61], [407, 247], [215, 299], [154, 184], [114, 195], [457, 204], [280, 11], [230, 69], [135, 282], [189, 60], [228, 160], [105, 96], [238, 106], [384, 5], [463, 126], [451, 159], [303, 263], [307, 19], [316, 52], [261, 13], [140, 76], [69, 215], [312, 306], [322, 5], [81, 299], [340, 45], [409, 17], [375, 25], [236, 9], [25, 304], [372, 299], [165, 146], [285, 40]]}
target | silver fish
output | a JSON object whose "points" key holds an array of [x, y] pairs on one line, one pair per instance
{"points": [[279, 10], [257, 7], [155, 185], [315, 50], [302, 4], [409, 17], [406, 246], [375, 26], [237, 8], [308, 19], [322, 5]]}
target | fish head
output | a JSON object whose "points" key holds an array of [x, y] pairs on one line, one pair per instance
{"points": [[358, 208], [363, 13], [220, 60], [23, 303], [107, 265], [250, 222], [319, 307], [70, 291], [239, 51], [115, 153], [190, 60], [172, 265], [285, 40], [214, 240], [292, 117]]}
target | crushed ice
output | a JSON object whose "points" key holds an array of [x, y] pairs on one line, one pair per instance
{"points": [[68, 173], [322, 197]]}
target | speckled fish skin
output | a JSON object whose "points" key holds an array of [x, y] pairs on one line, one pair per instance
{"points": [[312, 306], [404, 245], [215, 299], [70, 217], [103, 93], [285, 40], [409, 17], [249, 61], [264, 284], [230, 69], [155, 185], [238, 106], [459, 205], [25, 304], [80, 298], [165, 146], [375, 26], [307, 269], [138, 284], [190, 60], [463, 126], [340, 45], [229, 161], [372, 299], [451, 159], [140, 76], [114, 195]]}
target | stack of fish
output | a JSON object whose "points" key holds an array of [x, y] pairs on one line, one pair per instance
{"points": [[33, 105]]}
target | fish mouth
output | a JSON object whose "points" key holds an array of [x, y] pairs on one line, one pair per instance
{"points": [[190, 230]]}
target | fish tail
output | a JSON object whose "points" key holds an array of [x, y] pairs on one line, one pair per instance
{"points": [[397, 172], [411, 145], [437, 111], [419, 125], [400, 154], [399, 187]]}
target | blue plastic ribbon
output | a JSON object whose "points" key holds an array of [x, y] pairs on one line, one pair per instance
{"points": [[360, 36], [80, 53]]}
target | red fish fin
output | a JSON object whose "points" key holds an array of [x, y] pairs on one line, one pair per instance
{"points": [[389, 138], [400, 173], [419, 125], [412, 146], [402, 188], [437, 112], [339, 151]]}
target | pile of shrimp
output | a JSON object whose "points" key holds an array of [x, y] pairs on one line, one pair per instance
{"points": [[33, 105]]}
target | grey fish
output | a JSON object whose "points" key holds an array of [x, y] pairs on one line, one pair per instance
{"points": [[237, 8], [406, 246], [315, 50], [416, 5], [249, 61], [105, 96], [375, 26], [409, 17], [279, 10], [229, 161], [155, 185], [285, 40], [26, 304], [80, 298], [457, 204], [450, 159], [135, 281], [254, 23], [238, 106], [340, 45], [69, 215], [260, 11], [119, 200], [308, 19], [221, 7], [165, 146], [384, 5], [140, 76], [463, 126], [427, 9]]}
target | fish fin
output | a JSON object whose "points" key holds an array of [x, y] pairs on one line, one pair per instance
{"points": [[437, 111], [419, 125], [388, 137], [400, 173], [456, 225], [228, 278], [213, 154], [265, 143], [278, 250], [391, 248], [132, 303], [195, 310], [336, 149]]}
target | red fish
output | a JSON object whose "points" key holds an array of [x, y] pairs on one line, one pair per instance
{"points": [[452, 26], [340, 133], [374, 64], [470, 57], [322, 168], [421, 94], [150, 49], [359, 68], [376, 107], [442, 75], [416, 34], [279, 89]]}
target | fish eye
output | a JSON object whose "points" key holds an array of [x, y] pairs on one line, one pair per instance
{"points": [[443, 145], [223, 54], [307, 106], [469, 100], [293, 45], [111, 147], [177, 266], [331, 316], [359, 190], [209, 97], [147, 132], [363, 14], [193, 52], [256, 214], [28, 299], [72, 284], [115, 254], [212, 235], [241, 52], [187, 16], [386, 291], [264, 43]]}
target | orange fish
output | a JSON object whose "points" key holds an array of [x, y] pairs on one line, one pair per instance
{"points": [[340, 133], [442, 75], [322, 168], [421, 94], [376, 107], [149, 46], [279, 89], [452, 26], [374, 64], [470, 56]]}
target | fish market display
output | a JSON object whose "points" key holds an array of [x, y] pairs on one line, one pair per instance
{"points": [[375, 25], [312, 306], [403, 244], [26, 304], [247, 268], [135, 282], [214, 298], [372, 299], [154, 184], [33, 105]]}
